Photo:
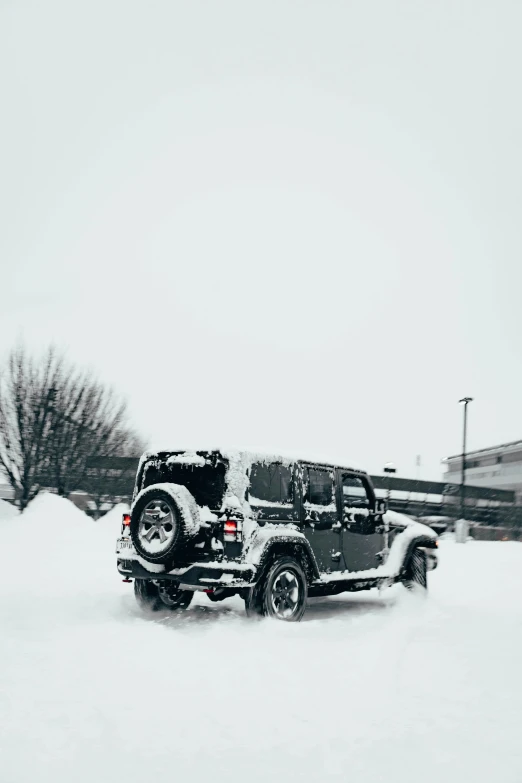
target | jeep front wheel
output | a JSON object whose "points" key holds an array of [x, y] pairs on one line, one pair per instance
{"points": [[282, 594], [417, 572], [154, 596]]}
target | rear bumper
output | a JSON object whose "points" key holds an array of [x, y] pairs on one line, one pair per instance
{"points": [[198, 576]]}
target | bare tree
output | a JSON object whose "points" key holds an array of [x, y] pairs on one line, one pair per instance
{"points": [[25, 419], [86, 419], [53, 418]]}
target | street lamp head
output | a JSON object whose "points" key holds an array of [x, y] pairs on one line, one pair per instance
{"points": [[465, 400]]}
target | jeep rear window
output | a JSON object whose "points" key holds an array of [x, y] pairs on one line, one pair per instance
{"points": [[271, 483], [205, 481]]}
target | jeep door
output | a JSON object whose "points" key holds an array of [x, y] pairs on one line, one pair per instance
{"points": [[319, 518], [362, 539]]}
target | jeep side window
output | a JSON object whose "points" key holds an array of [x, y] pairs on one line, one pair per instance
{"points": [[320, 487], [271, 483], [355, 494]]}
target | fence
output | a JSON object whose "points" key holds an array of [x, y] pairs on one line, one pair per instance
{"points": [[495, 507]]}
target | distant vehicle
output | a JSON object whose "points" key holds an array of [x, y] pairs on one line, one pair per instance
{"points": [[273, 530]]}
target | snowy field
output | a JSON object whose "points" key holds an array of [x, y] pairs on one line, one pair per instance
{"points": [[367, 688]]}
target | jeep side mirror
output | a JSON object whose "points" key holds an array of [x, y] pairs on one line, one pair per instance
{"points": [[381, 507]]}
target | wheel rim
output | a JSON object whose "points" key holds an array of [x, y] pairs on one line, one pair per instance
{"points": [[285, 595], [157, 526]]}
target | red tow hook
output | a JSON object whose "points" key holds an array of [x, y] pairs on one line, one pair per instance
{"points": [[126, 580]]}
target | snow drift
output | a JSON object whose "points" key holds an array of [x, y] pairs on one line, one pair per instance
{"points": [[371, 687], [7, 510]]}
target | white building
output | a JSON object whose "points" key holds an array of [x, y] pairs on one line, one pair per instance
{"points": [[499, 467]]}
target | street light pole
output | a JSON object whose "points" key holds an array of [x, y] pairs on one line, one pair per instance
{"points": [[464, 401]]}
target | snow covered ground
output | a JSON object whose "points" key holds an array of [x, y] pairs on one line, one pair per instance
{"points": [[367, 688]]}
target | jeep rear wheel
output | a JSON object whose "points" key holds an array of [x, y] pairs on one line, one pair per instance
{"points": [[281, 594], [155, 596]]}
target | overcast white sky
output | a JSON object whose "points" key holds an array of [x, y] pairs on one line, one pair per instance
{"points": [[285, 225]]}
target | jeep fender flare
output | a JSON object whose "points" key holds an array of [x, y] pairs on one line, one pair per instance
{"points": [[293, 545]]}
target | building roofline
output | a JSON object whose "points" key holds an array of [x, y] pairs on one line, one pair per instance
{"points": [[483, 451]]}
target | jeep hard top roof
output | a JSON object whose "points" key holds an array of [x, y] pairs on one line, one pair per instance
{"points": [[239, 457]]}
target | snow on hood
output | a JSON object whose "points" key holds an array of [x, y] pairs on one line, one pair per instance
{"points": [[395, 518], [402, 520]]}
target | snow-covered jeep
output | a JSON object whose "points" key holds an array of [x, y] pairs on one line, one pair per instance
{"points": [[273, 530]]}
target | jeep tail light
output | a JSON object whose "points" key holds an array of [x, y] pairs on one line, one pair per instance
{"points": [[126, 520], [232, 530]]}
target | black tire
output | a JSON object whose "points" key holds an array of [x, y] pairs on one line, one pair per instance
{"points": [[417, 572], [176, 538], [164, 596], [253, 601], [281, 594]]}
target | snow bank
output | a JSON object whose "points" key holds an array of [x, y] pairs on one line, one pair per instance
{"points": [[113, 517], [115, 513], [7, 510], [60, 510], [53, 546], [417, 684], [110, 522]]}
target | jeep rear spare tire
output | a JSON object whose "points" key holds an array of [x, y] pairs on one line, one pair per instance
{"points": [[163, 519]]}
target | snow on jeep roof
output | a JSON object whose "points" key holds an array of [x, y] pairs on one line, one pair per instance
{"points": [[247, 457]]}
